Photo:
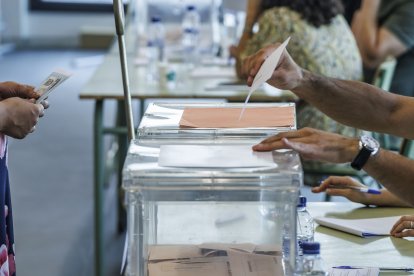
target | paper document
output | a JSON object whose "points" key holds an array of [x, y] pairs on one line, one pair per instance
{"points": [[213, 72], [266, 71], [229, 117], [223, 260], [366, 271], [55, 79], [360, 227], [248, 264], [201, 267], [213, 156]]}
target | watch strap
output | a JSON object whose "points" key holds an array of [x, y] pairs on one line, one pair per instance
{"points": [[361, 158]]}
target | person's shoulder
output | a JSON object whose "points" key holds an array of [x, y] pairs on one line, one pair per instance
{"points": [[284, 13]]}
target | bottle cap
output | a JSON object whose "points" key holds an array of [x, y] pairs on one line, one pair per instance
{"points": [[190, 31], [155, 19], [191, 8], [301, 202], [311, 248]]}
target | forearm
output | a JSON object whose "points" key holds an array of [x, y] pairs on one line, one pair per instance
{"points": [[358, 104], [396, 173], [253, 10], [367, 34]]}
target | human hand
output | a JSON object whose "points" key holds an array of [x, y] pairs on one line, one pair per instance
{"points": [[18, 117], [11, 89], [404, 227], [313, 144], [328, 186], [287, 74], [234, 51]]}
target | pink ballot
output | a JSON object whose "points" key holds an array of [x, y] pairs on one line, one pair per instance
{"points": [[219, 117]]}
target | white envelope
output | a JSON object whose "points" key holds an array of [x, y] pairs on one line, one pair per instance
{"points": [[266, 71]]}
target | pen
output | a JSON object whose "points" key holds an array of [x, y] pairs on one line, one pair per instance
{"points": [[405, 269], [359, 189]]}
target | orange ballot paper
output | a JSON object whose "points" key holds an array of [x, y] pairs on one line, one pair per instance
{"points": [[216, 117]]}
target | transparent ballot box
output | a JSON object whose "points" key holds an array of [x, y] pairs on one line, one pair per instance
{"points": [[198, 219], [161, 124]]}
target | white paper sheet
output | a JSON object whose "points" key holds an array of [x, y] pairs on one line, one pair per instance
{"points": [[266, 71], [213, 156], [213, 72], [360, 227]]}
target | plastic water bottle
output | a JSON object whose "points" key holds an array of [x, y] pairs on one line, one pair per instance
{"points": [[310, 263], [190, 34], [155, 47], [305, 225], [156, 36]]}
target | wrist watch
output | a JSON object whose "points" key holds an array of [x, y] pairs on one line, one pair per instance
{"points": [[368, 147]]}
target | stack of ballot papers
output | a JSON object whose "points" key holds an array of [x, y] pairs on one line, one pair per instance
{"points": [[360, 227], [216, 117], [215, 259]]}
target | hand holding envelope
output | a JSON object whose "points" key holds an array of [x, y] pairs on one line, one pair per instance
{"points": [[265, 72]]}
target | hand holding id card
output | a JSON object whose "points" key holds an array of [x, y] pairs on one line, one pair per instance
{"points": [[55, 79]]}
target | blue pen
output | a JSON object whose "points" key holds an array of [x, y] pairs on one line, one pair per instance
{"points": [[405, 269], [359, 189]]}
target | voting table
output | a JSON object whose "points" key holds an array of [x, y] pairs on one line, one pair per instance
{"points": [[343, 249]]}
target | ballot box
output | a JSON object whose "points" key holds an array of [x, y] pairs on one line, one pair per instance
{"points": [[210, 215], [163, 122], [201, 202]]}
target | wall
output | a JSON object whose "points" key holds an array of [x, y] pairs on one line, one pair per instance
{"points": [[29, 28], [48, 28]]}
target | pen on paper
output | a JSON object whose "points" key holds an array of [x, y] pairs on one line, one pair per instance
{"points": [[359, 189], [406, 269]]}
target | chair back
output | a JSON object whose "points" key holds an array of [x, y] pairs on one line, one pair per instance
{"points": [[384, 74], [407, 148], [383, 79]]}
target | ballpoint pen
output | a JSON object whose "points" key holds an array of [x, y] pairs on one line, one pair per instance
{"points": [[405, 269], [359, 189]]}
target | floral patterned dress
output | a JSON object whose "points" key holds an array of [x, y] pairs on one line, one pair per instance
{"points": [[7, 264]]}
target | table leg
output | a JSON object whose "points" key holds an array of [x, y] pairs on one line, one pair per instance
{"points": [[141, 109], [122, 151], [98, 187]]}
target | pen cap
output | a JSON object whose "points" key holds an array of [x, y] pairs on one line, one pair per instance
{"points": [[311, 248], [301, 202]]}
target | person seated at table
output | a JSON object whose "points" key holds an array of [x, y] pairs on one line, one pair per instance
{"points": [[321, 41], [384, 29], [386, 198], [402, 228], [313, 144]]}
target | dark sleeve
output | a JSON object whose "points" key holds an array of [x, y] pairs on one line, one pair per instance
{"points": [[350, 7], [401, 23]]}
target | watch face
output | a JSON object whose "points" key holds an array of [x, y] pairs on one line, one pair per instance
{"points": [[370, 143]]}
